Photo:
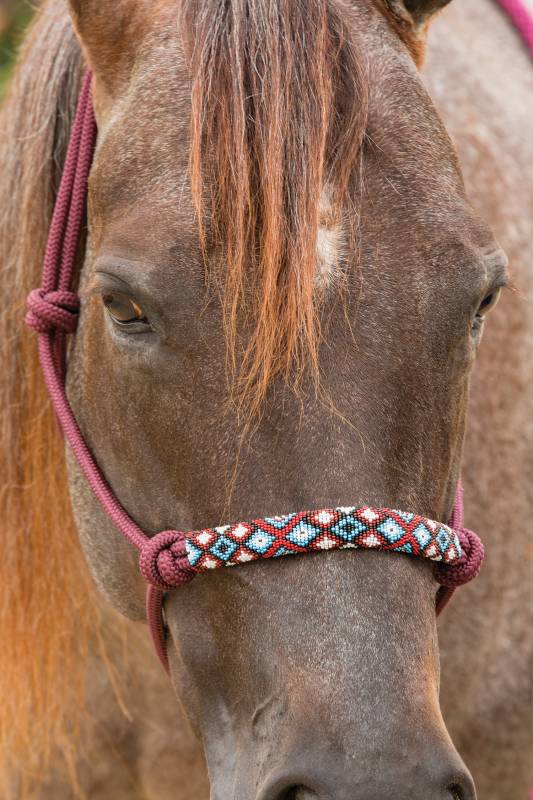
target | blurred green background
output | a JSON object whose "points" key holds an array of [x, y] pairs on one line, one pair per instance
{"points": [[14, 18]]}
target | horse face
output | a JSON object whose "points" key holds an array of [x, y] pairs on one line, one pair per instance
{"points": [[307, 677]]}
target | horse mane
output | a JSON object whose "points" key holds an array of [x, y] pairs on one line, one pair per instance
{"points": [[278, 117], [279, 113], [45, 589]]}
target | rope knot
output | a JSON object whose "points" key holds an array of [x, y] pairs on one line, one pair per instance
{"points": [[49, 311], [163, 560], [469, 564]]}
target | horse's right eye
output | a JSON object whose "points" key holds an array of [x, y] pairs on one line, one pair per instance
{"points": [[122, 309]]}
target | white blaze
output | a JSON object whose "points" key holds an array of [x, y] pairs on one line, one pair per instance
{"points": [[329, 245]]}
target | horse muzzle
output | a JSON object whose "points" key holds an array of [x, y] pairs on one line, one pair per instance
{"points": [[433, 775]]}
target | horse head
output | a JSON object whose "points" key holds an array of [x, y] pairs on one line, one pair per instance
{"points": [[283, 291]]}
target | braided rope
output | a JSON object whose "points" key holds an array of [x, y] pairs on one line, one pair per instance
{"points": [[49, 311], [468, 566], [163, 560]]}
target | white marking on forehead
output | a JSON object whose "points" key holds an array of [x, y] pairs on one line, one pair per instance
{"points": [[330, 244]]}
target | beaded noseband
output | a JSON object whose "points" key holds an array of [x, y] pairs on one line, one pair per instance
{"points": [[171, 558]]}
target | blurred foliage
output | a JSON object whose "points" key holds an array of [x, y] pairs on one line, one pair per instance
{"points": [[14, 18]]}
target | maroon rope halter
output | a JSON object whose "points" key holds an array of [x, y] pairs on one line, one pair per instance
{"points": [[53, 311]]}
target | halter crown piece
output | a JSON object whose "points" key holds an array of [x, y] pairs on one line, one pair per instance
{"points": [[171, 558]]}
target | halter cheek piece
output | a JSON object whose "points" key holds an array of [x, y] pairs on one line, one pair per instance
{"points": [[171, 558]]}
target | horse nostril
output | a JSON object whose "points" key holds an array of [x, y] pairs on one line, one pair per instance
{"points": [[297, 793], [291, 794], [463, 789]]}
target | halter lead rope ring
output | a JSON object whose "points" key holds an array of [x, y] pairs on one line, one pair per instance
{"points": [[171, 558]]}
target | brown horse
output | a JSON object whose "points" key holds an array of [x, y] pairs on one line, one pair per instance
{"points": [[284, 288]]}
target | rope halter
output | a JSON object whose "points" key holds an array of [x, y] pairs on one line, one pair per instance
{"points": [[172, 558]]}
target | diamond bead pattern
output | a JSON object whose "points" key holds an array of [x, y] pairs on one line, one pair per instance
{"points": [[325, 529]]}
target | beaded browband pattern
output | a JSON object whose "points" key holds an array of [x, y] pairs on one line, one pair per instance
{"points": [[172, 558]]}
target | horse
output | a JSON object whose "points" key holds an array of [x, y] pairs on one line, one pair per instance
{"points": [[284, 290]]}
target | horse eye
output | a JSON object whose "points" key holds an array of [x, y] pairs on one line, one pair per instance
{"points": [[488, 302], [123, 309]]}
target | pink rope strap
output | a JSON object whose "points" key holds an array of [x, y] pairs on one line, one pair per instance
{"points": [[521, 18], [171, 558]]}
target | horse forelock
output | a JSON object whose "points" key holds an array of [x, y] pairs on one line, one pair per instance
{"points": [[279, 109]]}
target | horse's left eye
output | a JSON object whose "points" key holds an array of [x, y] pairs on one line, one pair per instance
{"points": [[486, 305], [489, 301], [123, 309]]}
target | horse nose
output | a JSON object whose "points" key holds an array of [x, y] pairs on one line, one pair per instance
{"points": [[459, 788], [432, 779], [455, 792]]}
